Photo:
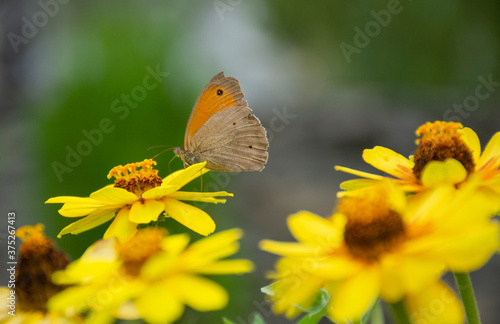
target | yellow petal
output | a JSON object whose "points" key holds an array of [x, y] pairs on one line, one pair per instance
{"points": [[75, 206], [328, 268], [158, 192], [88, 222], [201, 196], [120, 292], [159, 265], [99, 260], [472, 141], [114, 196], [227, 267], [208, 250], [449, 171], [310, 228], [354, 296], [145, 212], [34, 317], [200, 293], [470, 250], [4, 294], [121, 227], [72, 200], [182, 177], [425, 207], [389, 161], [393, 286], [189, 216], [74, 298], [491, 151], [217, 243], [359, 173], [334, 267], [402, 274], [78, 272], [100, 251], [288, 248], [481, 203], [293, 294], [101, 317], [128, 311], [356, 184], [158, 304], [175, 244], [486, 199], [78, 210], [437, 303]]}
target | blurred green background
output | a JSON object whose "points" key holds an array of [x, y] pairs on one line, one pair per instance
{"points": [[326, 78]]}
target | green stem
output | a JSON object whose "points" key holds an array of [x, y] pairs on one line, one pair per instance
{"points": [[398, 311], [468, 298]]}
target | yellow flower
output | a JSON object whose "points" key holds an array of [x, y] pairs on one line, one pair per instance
{"points": [[152, 276], [30, 285], [140, 196], [446, 153], [379, 244]]}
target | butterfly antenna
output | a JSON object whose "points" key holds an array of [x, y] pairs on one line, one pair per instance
{"points": [[201, 180], [167, 149], [157, 146], [169, 171]]}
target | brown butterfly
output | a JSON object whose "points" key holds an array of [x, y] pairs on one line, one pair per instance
{"points": [[223, 131]]}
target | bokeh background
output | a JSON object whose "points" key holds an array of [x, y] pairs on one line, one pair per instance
{"points": [[326, 78]]}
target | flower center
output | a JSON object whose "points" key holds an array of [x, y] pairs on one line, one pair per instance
{"points": [[135, 180], [440, 141], [39, 258], [144, 244], [372, 228]]}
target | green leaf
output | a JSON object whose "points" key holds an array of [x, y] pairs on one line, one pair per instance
{"points": [[257, 319], [377, 315], [318, 310], [366, 318], [227, 321], [268, 290]]}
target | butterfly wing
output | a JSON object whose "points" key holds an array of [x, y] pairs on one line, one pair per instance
{"points": [[231, 140], [221, 92]]}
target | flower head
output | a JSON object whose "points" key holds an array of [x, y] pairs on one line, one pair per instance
{"points": [[447, 153], [38, 259], [440, 141], [140, 196], [136, 178], [379, 244], [374, 225], [152, 276]]}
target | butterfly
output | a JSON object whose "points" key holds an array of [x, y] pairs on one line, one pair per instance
{"points": [[222, 130]]}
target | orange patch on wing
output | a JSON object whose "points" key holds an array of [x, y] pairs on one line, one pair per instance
{"points": [[207, 105]]}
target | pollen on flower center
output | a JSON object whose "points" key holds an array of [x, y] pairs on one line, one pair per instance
{"points": [[440, 141], [140, 248], [135, 180], [372, 228], [38, 259]]}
